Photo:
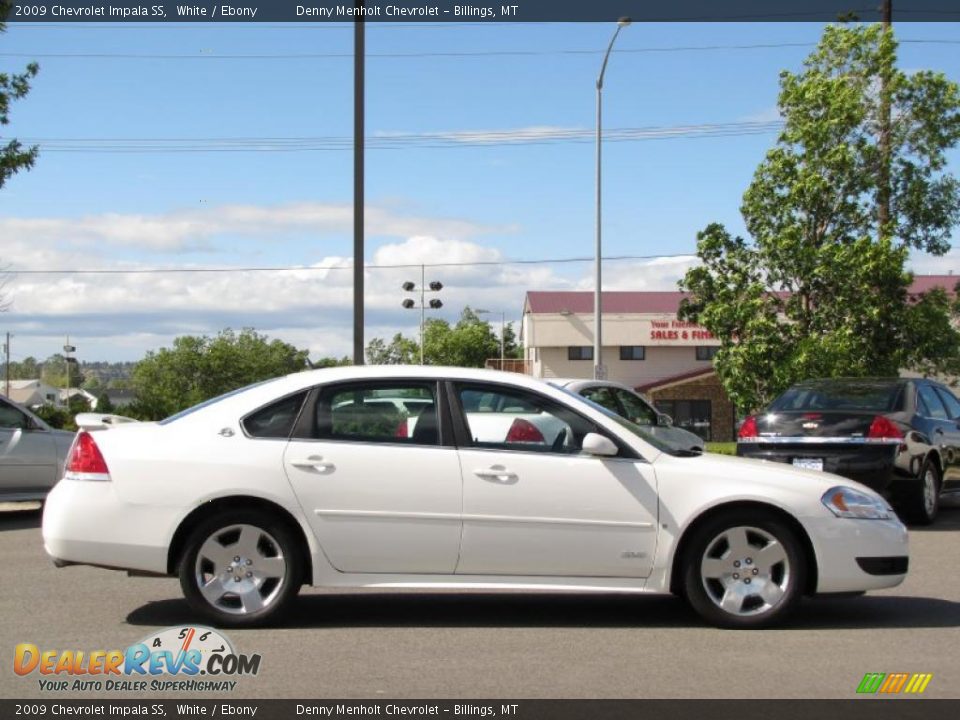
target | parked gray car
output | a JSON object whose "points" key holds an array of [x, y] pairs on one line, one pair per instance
{"points": [[31, 453], [628, 404]]}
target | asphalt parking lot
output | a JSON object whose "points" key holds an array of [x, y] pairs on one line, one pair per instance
{"points": [[507, 645]]}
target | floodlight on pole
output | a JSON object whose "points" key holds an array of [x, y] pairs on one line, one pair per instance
{"points": [[434, 304]]}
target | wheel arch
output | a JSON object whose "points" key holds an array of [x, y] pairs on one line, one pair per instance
{"points": [[237, 502], [676, 571]]}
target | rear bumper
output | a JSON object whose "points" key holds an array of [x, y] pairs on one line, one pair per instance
{"points": [[875, 466], [86, 523]]}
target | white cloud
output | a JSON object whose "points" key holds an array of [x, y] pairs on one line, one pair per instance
{"points": [[186, 230]]}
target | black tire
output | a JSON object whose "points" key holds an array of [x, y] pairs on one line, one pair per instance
{"points": [[918, 501], [759, 591], [256, 588]]}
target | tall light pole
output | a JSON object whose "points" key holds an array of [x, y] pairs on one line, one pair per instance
{"points": [[599, 370], [434, 304]]}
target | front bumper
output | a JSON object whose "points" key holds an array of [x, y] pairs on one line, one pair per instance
{"points": [[87, 523], [849, 552]]}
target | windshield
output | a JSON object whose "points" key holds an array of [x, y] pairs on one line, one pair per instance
{"points": [[660, 444]]}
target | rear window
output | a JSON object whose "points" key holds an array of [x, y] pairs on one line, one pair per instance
{"points": [[853, 396]]}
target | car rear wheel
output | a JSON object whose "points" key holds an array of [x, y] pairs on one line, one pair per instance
{"points": [[919, 501], [744, 569], [241, 568]]}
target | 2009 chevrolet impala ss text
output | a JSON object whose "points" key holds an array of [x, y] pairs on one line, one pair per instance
{"points": [[422, 477]]}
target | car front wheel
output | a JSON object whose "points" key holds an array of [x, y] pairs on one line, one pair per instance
{"points": [[744, 569], [241, 568]]}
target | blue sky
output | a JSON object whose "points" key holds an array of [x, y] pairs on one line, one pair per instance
{"points": [[463, 201]]}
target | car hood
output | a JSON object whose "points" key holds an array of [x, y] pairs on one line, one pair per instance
{"points": [[746, 473]]}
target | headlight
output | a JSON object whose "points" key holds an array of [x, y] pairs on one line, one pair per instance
{"points": [[846, 502]]}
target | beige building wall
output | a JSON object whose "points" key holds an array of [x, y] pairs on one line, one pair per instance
{"points": [[670, 345], [660, 362]]}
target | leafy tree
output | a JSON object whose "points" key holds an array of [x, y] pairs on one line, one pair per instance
{"points": [[104, 405], [13, 156], [820, 288], [26, 369], [400, 351], [467, 344], [57, 418], [326, 362], [199, 368]]}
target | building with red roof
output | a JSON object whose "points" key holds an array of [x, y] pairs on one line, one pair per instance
{"points": [[645, 346]]}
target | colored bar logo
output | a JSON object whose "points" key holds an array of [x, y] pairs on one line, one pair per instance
{"points": [[894, 683]]}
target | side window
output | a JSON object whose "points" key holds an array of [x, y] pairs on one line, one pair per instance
{"points": [[637, 410], [932, 402], [401, 413], [11, 418], [541, 426], [953, 405], [602, 396], [275, 420]]}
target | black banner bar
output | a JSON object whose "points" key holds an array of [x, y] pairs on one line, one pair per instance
{"points": [[872, 708], [480, 11]]}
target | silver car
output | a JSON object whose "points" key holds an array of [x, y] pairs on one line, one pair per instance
{"points": [[31, 453], [628, 404]]}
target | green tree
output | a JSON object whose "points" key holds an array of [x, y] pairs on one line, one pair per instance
{"points": [[326, 362], [199, 368], [104, 405], [820, 288], [13, 156], [469, 343], [399, 351]]}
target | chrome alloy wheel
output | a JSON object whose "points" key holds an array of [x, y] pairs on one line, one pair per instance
{"points": [[745, 571], [240, 569]]}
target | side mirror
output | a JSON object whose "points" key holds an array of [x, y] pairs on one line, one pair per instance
{"points": [[664, 420], [594, 444]]}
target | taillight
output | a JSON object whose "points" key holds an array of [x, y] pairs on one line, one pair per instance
{"points": [[748, 429], [524, 431], [401, 431], [883, 428], [85, 461]]}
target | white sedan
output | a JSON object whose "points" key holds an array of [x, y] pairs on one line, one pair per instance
{"points": [[308, 479]]}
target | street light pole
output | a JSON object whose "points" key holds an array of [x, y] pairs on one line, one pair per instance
{"points": [[599, 371], [434, 304]]}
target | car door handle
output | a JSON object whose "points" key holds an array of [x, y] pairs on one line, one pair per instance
{"points": [[938, 431], [496, 473], [314, 462]]}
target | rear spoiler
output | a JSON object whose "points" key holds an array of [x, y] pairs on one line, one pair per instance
{"points": [[101, 421]]}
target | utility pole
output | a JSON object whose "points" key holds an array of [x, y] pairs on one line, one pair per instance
{"points": [[359, 52], [883, 176]]}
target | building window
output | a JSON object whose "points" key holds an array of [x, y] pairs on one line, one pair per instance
{"points": [[580, 352], [633, 352], [707, 352]]}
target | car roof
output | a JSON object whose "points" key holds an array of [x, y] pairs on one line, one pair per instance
{"points": [[846, 381], [581, 383]]}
